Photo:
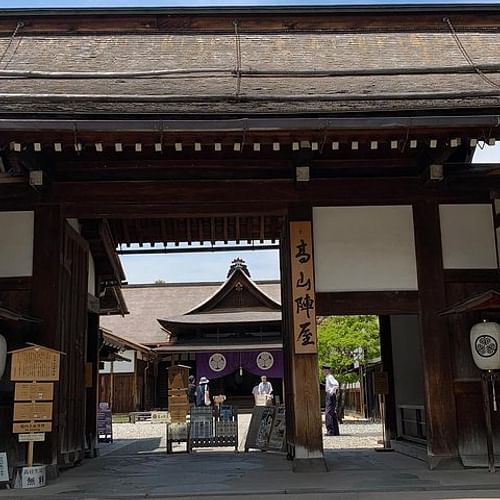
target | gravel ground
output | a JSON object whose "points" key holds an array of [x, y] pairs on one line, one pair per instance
{"points": [[353, 434]]}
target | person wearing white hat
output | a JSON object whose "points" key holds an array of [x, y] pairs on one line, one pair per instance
{"points": [[202, 393]]}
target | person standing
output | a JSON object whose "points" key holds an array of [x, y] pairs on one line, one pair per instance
{"points": [[202, 394], [191, 390], [331, 389], [265, 387]]}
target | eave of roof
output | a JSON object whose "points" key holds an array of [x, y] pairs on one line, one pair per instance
{"points": [[257, 9], [218, 348], [223, 318]]}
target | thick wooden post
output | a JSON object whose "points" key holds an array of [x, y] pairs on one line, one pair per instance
{"points": [[441, 418], [93, 391], [304, 430], [46, 303], [388, 366]]}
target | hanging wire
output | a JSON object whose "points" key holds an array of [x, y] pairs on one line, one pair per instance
{"points": [[19, 25], [238, 58], [466, 55]]}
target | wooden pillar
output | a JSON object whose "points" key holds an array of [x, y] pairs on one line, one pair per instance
{"points": [[388, 366], [304, 429], [46, 303], [441, 418], [93, 391]]}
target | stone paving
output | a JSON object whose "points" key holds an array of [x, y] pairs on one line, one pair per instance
{"points": [[135, 466]]}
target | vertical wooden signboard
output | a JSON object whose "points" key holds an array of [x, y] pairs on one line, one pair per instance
{"points": [[34, 369], [303, 294]]}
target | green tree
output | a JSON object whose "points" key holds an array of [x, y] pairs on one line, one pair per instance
{"points": [[160, 282], [339, 337]]}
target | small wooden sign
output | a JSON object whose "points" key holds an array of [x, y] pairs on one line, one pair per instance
{"points": [[35, 363], [26, 438], [303, 292], [381, 383], [30, 427], [34, 392], [32, 411]]}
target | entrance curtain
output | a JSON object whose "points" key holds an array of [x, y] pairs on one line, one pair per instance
{"points": [[235, 360]]}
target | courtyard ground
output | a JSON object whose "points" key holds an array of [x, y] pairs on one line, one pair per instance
{"points": [[136, 466]]}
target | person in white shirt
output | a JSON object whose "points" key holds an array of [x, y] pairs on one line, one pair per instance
{"points": [[331, 389], [265, 387]]}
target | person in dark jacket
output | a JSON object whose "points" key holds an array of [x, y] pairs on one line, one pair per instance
{"points": [[192, 390]]}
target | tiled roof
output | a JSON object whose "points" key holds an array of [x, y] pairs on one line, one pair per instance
{"points": [[402, 52], [147, 303]]}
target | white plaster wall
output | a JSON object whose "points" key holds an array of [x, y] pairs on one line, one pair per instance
{"points": [[468, 236], [121, 366], [91, 281], [364, 248], [16, 244]]}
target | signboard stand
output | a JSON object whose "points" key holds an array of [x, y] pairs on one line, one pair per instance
{"points": [[34, 369], [266, 431], [4, 470], [381, 388]]}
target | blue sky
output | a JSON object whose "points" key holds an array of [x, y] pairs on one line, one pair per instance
{"points": [[204, 3]]}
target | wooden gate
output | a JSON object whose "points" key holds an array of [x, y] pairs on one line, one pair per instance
{"points": [[72, 393]]}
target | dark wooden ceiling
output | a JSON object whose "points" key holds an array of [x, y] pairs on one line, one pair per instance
{"points": [[237, 228]]}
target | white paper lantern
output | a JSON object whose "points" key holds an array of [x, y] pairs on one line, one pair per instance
{"points": [[3, 354], [485, 345]]}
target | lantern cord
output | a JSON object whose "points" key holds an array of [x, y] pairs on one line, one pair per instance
{"points": [[495, 407]]}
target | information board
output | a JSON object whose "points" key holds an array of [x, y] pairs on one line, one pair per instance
{"points": [[277, 435], [4, 467], [32, 411], [381, 383], [34, 392], [266, 424], [253, 427], [35, 363]]}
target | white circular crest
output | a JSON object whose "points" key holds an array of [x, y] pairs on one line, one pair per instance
{"points": [[265, 360], [217, 362]]}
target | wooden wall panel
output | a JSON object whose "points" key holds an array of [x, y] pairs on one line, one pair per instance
{"points": [[123, 391]]}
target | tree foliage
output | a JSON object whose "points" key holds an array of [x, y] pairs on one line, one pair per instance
{"points": [[340, 336], [160, 282]]}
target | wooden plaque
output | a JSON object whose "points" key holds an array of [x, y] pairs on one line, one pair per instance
{"points": [[34, 392], [29, 427], [32, 411], [381, 383], [303, 293], [35, 363]]}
